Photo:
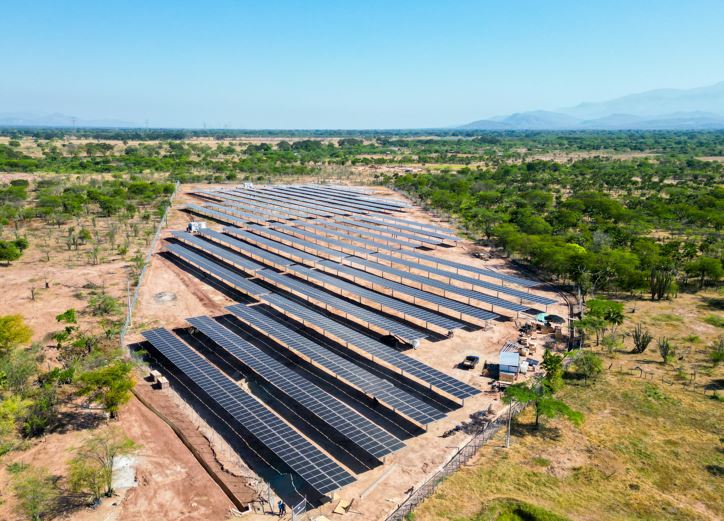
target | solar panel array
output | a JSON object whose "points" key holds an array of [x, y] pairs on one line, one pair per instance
{"points": [[217, 271], [523, 295], [426, 281], [222, 253], [339, 305], [374, 348], [247, 249], [310, 463], [410, 311], [358, 429], [333, 268], [372, 385], [418, 295]]}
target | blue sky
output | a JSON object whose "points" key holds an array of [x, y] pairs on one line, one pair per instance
{"points": [[344, 64]]}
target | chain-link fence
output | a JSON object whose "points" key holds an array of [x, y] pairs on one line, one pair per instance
{"points": [[458, 460], [133, 298]]}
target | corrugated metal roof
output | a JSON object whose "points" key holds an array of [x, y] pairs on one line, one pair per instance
{"points": [[509, 358]]}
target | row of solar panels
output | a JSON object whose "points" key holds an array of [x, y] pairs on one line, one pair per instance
{"points": [[349, 337]]}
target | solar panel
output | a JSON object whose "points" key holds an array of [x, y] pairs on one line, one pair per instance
{"points": [[280, 201], [505, 290], [405, 275], [345, 308], [369, 233], [373, 348], [527, 283], [306, 460], [342, 246], [460, 308], [222, 253], [295, 242], [416, 224], [222, 216], [247, 249], [339, 233], [262, 209], [378, 230], [431, 233], [346, 421], [293, 196], [372, 385], [437, 261], [355, 198], [357, 202], [217, 271], [409, 311], [292, 253], [259, 216]]}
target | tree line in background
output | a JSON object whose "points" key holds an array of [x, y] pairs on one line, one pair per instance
{"points": [[605, 225]]}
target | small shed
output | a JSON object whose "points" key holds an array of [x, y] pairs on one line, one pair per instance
{"points": [[509, 363]]}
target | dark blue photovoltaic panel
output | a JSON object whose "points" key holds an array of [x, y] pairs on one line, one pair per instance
{"points": [[283, 249], [372, 347], [406, 275], [259, 208], [225, 275], [209, 247], [289, 194], [410, 229], [368, 233], [370, 384], [315, 238], [348, 309], [416, 224], [223, 216], [279, 201], [346, 421], [298, 243], [311, 464], [390, 231], [442, 302], [367, 295], [246, 249], [524, 295]]}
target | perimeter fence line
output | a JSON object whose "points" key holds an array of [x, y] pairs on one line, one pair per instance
{"points": [[133, 299], [461, 457]]}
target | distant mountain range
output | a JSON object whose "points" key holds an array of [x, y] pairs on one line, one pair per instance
{"points": [[28, 119], [661, 109]]}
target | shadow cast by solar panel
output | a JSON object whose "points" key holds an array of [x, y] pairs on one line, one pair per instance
{"points": [[418, 390], [339, 448], [255, 455], [207, 279], [360, 402]]}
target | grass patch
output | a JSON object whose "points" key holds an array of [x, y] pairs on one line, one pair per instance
{"points": [[666, 318], [514, 510], [644, 451], [715, 320]]}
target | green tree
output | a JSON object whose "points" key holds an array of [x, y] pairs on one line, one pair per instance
{"points": [[588, 364], [36, 492], [9, 252], [13, 332], [110, 385], [707, 269], [91, 469], [553, 365], [545, 404]]}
